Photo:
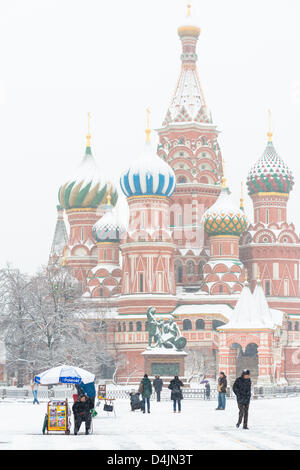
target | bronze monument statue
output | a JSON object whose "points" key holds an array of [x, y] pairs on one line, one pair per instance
{"points": [[163, 334]]}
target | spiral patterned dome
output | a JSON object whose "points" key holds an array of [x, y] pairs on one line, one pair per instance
{"points": [[270, 174], [84, 188], [224, 218], [148, 176], [108, 228]]}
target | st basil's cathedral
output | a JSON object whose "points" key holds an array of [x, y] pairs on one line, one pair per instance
{"points": [[230, 283]]}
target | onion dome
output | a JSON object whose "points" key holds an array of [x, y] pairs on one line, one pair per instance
{"points": [[224, 217], [149, 175], [84, 188], [270, 173], [188, 28], [108, 228]]}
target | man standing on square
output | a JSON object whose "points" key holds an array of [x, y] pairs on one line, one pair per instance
{"points": [[242, 389]]}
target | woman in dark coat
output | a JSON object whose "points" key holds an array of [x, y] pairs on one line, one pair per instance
{"points": [[145, 389], [176, 394], [242, 389]]}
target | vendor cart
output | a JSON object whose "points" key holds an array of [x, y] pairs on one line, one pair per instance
{"points": [[57, 417]]}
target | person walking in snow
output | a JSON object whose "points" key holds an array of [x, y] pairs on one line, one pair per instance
{"points": [[145, 389], [158, 385], [35, 388], [207, 391], [176, 394], [242, 390], [222, 389]]}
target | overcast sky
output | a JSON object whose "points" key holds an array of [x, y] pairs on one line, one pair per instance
{"points": [[60, 59]]}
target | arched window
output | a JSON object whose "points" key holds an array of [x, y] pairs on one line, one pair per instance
{"points": [[200, 325], [190, 267], [290, 326], [187, 325], [200, 269], [296, 326], [124, 326], [178, 271], [138, 326], [181, 179], [130, 326], [119, 326]]}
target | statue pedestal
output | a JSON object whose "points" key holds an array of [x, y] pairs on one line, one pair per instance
{"points": [[164, 362]]}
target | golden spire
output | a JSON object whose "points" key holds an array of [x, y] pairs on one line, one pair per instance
{"points": [[108, 196], [88, 136], [148, 130], [270, 133], [258, 274], [189, 8], [242, 196], [223, 177]]}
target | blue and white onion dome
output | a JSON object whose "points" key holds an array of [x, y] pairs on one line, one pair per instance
{"points": [[108, 228], [149, 175]]}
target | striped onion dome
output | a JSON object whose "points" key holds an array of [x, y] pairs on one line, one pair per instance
{"points": [[148, 176], [270, 174], [108, 228], [84, 188], [224, 217]]}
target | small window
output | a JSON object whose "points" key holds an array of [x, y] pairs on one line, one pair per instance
{"points": [[141, 281], [267, 288], [138, 326], [187, 325]]}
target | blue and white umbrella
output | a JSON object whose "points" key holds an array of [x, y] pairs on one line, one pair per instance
{"points": [[64, 374]]}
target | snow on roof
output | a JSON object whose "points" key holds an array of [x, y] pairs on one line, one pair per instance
{"points": [[249, 313], [210, 309], [264, 312]]}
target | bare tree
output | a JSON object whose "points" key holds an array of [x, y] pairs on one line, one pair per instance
{"points": [[198, 365]]}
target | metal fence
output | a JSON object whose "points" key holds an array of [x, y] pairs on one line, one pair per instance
{"points": [[25, 394]]}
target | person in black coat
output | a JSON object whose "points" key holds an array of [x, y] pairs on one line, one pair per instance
{"points": [[82, 412], [176, 394], [242, 389], [207, 391], [158, 385]]}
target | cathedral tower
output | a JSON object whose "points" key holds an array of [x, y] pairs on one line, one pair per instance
{"points": [[148, 249], [188, 143], [270, 248]]}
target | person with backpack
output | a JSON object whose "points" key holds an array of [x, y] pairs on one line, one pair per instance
{"points": [[176, 394], [145, 389], [242, 389]]}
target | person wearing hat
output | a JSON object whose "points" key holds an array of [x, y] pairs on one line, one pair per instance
{"points": [[242, 390], [82, 412]]}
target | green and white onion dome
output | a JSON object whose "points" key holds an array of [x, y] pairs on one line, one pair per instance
{"points": [[84, 189], [270, 174], [224, 217], [108, 228]]}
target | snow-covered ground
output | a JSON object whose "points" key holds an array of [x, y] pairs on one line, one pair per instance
{"points": [[273, 423]]}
